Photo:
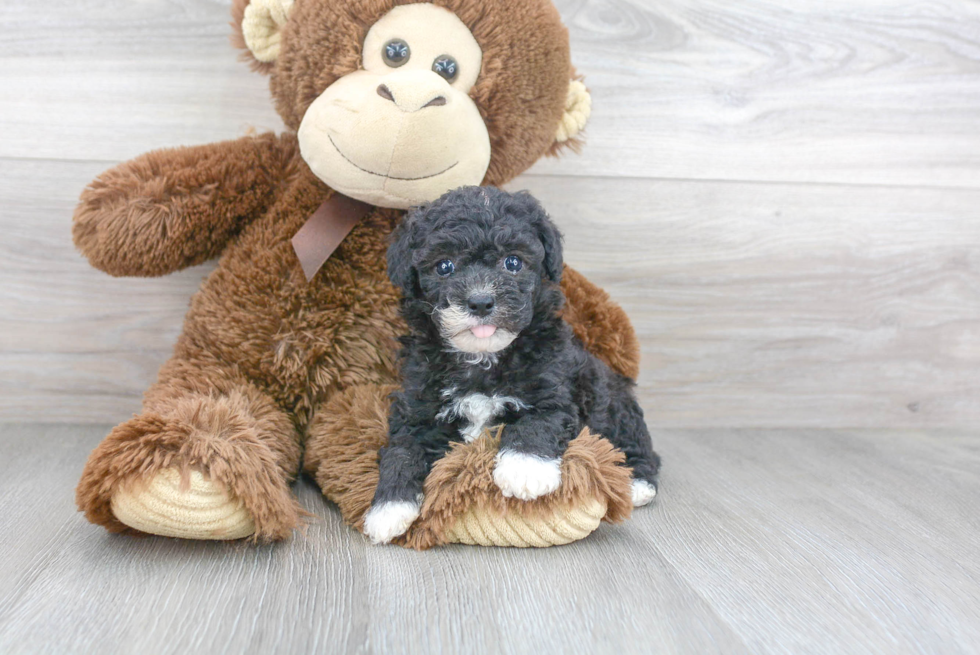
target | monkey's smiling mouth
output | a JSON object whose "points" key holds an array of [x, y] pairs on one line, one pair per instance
{"points": [[390, 177]]}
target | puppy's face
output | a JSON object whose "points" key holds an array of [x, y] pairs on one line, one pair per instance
{"points": [[481, 287], [478, 261]]}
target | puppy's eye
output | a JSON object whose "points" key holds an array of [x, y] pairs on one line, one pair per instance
{"points": [[395, 53], [513, 264], [445, 267]]}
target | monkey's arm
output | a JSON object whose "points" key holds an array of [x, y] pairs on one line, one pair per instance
{"points": [[600, 324], [173, 208]]}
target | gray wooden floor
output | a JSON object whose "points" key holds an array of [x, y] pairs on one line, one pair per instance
{"points": [[785, 196], [774, 541]]}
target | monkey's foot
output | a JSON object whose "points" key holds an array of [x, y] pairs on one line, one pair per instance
{"points": [[197, 508], [208, 470]]}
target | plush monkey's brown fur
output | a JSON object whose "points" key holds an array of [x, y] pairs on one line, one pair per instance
{"points": [[269, 362]]}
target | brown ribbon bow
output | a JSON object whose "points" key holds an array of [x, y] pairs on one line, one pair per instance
{"points": [[325, 229]]}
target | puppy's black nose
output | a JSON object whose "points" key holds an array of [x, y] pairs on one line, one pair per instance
{"points": [[480, 304]]}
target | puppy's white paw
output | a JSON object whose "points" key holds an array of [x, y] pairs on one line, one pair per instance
{"points": [[388, 520], [526, 476], [643, 492]]}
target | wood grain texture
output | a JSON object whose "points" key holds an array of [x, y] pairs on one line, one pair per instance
{"points": [[765, 305], [774, 305], [767, 541], [886, 92], [759, 303]]}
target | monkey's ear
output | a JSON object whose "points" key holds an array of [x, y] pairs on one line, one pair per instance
{"points": [[578, 108], [401, 265], [258, 24]]}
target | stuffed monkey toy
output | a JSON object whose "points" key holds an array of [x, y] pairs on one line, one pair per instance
{"points": [[288, 351]]}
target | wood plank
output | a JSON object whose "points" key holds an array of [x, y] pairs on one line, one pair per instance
{"points": [[828, 542], [764, 541], [756, 304], [131, 77], [874, 93], [886, 92], [786, 305]]}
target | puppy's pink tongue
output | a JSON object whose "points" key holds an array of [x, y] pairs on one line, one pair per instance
{"points": [[483, 331]]}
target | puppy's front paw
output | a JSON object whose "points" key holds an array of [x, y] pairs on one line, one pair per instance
{"points": [[643, 492], [526, 476], [388, 520]]}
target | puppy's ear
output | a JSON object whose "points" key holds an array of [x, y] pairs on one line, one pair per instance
{"points": [[551, 238], [549, 235], [401, 265]]}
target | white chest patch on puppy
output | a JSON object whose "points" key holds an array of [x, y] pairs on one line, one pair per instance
{"points": [[479, 410]]}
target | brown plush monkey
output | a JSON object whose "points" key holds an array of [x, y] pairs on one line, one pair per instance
{"points": [[391, 103]]}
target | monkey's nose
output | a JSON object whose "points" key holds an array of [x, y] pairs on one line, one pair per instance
{"points": [[386, 93], [480, 304]]}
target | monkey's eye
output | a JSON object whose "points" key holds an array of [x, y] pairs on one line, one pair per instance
{"points": [[445, 268], [396, 53], [446, 67], [513, 264]]}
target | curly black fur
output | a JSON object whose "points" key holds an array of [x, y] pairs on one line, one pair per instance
{"points": [[543, 385]]}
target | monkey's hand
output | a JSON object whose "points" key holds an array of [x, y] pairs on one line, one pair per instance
{"points": [[170, 209], [601, 324]]}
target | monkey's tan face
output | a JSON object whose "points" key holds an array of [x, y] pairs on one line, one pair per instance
{"points": [[403, 130]]}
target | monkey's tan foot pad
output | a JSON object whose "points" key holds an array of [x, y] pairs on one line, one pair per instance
{"points": [[480, 527], [464, 505], [200, 508]]}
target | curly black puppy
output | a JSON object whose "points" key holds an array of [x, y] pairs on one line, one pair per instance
{"points": [[479, 271]]}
